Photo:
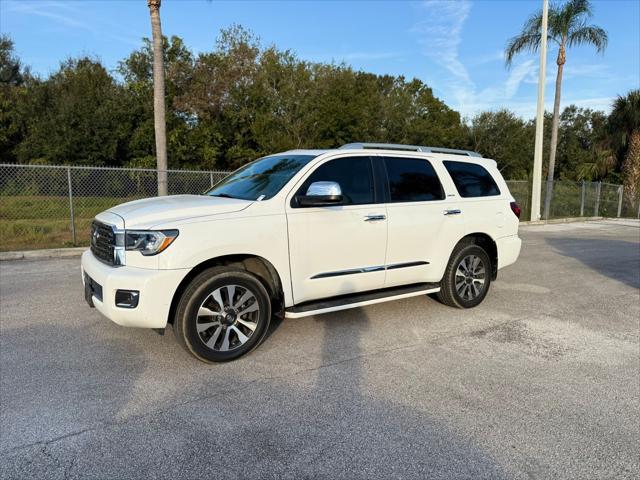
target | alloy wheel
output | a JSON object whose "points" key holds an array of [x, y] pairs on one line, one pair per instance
{"points": [[227, 318], [470, 277]]}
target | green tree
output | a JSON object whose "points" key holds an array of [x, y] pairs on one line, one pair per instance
{"points": [[137, 73], [624, 128], [582, 133], [77, 116], [14, 81], [567, 27], [218, 100], [506, 138]]}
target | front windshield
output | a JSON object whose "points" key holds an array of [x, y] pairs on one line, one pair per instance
{"points": [[262, 178]]}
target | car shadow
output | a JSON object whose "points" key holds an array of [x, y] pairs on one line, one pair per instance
{"points": [[616, 259], [379, 438], [324, 412]]}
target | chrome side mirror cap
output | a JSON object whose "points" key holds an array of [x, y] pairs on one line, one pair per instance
{"points": [[321, 194], [324, 189]]}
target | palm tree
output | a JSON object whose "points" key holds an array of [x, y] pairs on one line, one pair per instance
{"points": [[624, 127], [567, 27], [158, 96]]}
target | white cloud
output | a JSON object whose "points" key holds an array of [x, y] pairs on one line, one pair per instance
{"points": [[439, 32], [72, 17]]}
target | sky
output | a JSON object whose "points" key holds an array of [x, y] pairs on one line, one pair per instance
{"points": [[454, 46]]}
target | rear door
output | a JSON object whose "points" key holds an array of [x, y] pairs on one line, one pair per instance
{"points": [[485, 207], [424, 219]]}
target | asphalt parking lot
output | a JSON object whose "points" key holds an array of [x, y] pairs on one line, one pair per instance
{"points": [[540, 381]]}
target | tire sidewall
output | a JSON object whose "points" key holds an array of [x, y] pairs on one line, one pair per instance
{"points": [[193, 298], [462, 253]]}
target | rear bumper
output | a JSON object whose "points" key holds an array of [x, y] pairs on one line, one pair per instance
{"points": [[156, 288], [508, 250]]}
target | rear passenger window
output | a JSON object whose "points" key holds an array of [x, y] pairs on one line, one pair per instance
{"points": [[412, 180], [471, 180]]}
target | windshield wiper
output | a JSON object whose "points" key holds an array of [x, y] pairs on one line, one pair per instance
{"points": [[223, 195]]}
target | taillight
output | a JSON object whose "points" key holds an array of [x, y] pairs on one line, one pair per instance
{"points": [[515, 208]]}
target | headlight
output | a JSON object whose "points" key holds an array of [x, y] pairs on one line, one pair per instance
{"points": [[149, 242]]}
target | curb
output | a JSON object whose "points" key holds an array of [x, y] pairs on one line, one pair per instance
{"points": [[564, 220], [41, 254]]}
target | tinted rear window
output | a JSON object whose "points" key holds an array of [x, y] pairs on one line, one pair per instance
{"points": [[471, 180], [412, 180]]}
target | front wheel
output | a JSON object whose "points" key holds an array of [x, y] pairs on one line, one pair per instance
{"points": [[222, 314], [467, 278]]}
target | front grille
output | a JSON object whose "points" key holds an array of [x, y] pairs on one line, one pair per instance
{"points": [[103, 241]]}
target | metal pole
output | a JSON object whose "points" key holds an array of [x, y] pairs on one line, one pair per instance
{"points": [[211, 179], [597, 207], [584, 192], [620, 188], [537, 157], [73, 221]]}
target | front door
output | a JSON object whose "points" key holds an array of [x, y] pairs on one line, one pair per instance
{"points": [[339, 249]]}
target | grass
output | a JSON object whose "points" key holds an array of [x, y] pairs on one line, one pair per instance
{"points": [[33, 222]]}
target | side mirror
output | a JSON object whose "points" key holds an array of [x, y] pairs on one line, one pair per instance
{"points": [[321, 194]]}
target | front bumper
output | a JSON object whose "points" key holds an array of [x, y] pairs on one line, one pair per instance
{"points": [[156, 288]]}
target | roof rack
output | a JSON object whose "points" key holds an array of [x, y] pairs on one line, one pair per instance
{"points": [[410, 148]]}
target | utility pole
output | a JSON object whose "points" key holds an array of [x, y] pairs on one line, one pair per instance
{"points": [[537, 156]]}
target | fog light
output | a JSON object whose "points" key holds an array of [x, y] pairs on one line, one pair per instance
{"points": [[127, 298]]}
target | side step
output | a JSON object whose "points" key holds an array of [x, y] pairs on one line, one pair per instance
{"points": [[344, 302]]}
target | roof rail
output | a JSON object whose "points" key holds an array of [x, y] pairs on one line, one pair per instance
{"points": [[411, 148]]}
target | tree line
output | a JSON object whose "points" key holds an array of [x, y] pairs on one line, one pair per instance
{"points": [[243, 100]]}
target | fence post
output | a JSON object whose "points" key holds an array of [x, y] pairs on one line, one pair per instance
{"points": [[597, 207], [582, 197], [620, 188], [73, 221], [211, 179]]}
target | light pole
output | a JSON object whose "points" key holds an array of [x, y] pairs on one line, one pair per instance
{"points": [[537, 156]]}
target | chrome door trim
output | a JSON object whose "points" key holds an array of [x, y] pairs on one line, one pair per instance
{"points": [[378, 268], [405, 265]]}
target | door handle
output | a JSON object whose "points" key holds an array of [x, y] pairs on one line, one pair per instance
{"points": [[374, 218], [452, 212]]}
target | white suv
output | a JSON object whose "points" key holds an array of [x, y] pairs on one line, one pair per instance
{"points": [[302, 233]]}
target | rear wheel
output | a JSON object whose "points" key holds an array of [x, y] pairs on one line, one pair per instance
{"points": [[223, 314], [467, 278]]}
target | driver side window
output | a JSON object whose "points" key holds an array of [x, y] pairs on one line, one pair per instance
{"points": [[354, 174]]}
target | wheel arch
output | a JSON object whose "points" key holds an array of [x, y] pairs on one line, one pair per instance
{"points": [[259, 266], [488, 244]]}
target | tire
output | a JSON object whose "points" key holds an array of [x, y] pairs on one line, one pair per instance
{"points": [[223, 314], [466, 289]]}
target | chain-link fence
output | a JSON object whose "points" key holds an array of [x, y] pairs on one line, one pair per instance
{"points": [[577, 199], [48, 206]]}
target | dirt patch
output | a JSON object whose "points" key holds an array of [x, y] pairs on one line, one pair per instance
{"points": [[550, 338]]}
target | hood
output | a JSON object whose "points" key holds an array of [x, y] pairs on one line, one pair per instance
{"points": [[149, 212]]}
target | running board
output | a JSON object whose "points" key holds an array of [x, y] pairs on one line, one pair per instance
{"points": [[353, 300]]}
